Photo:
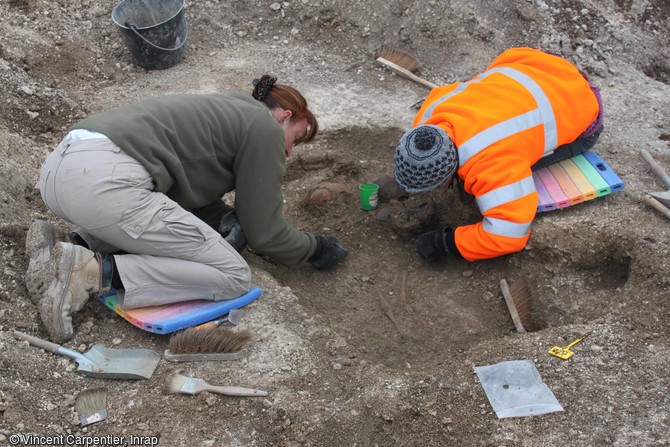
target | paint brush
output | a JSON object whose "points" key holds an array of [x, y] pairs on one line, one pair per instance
{"points": [[91, 406], [179, 384]]}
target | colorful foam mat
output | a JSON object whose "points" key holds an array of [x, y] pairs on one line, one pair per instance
{"points": [[575, 180], [173, 317]]}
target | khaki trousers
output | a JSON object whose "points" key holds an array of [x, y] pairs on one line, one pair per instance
{"points": [[164, 254]]}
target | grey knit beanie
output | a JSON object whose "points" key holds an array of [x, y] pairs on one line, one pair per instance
{"points": [[425, 159]]}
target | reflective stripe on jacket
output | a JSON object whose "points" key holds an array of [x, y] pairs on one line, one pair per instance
{"points": [[502, 121]]}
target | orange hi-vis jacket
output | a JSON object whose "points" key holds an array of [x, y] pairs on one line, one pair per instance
{"points": [[525, 105]]}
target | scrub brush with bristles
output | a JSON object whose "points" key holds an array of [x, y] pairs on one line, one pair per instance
{"points": [[218, 343], [519, 300], [399, 57], [403, 64]]}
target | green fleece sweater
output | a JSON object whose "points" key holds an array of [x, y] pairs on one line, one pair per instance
{"points": [[200, 147]]}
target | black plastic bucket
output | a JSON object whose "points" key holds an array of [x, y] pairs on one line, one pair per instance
{"points": [[155, 31]]}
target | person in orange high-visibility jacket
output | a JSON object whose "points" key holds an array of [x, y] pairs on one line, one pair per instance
{"points": [[527, 110]]}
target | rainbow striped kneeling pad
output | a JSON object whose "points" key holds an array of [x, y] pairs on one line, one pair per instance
{"points": [[575, 180], [173, 317]]}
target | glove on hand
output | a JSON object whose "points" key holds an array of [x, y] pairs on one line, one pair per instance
{"points": [[432, 246], [232, 232], [329, 252]]}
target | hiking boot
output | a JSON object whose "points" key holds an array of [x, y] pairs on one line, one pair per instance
{"points": [[77, 276], [40, 240]]}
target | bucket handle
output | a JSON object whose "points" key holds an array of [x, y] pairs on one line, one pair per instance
{"points": [[134, 28]]}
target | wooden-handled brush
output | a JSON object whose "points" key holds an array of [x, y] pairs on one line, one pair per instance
{"points": [[403, 64], [519, 300], [218, 343], [177, 383]]}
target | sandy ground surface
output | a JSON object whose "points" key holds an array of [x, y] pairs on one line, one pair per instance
{"points": [[339, 369]]}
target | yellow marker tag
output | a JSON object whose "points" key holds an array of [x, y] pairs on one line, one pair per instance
{"points": [[561, 353], [565, 353]]}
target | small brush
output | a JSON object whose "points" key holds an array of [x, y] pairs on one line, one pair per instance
{"points": [[218, 343], [178, 383], [519, 300], [403, 64], [91, 406]]}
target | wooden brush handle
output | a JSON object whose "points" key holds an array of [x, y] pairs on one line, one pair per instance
{"points": [[658, 206], [210, 325], [406, 73], [236, 391], [509, 300]]}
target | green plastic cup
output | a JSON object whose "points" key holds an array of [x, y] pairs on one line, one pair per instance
{"points": [[369, 196]]}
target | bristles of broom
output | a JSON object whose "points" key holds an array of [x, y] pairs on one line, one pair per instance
{"points": [[218, 339], [519, 300], [399, 57], [91, 405]]}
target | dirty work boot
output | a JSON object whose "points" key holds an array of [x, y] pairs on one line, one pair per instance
{"points": [[77, 275], [40, 240]]}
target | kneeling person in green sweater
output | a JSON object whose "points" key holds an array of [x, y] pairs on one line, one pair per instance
{"points": [[144, 185]]}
